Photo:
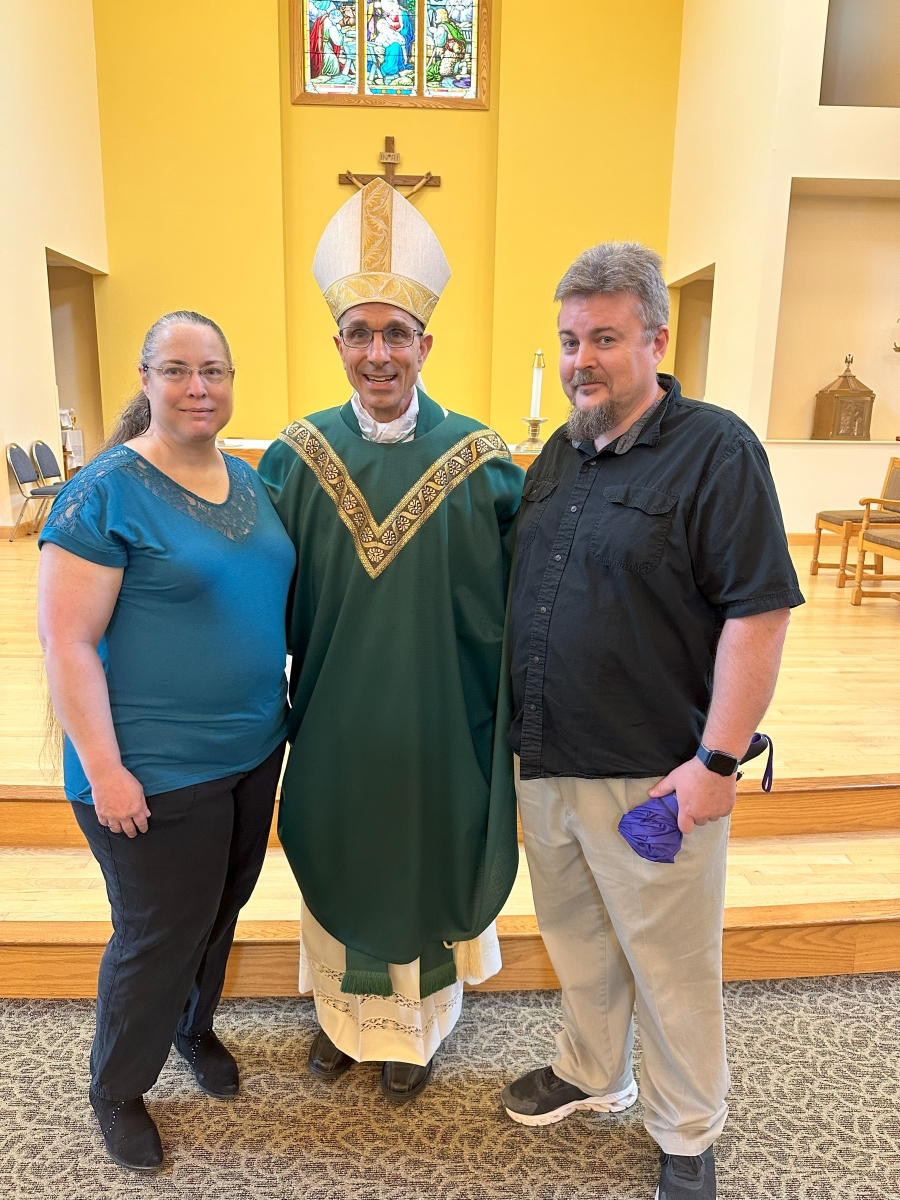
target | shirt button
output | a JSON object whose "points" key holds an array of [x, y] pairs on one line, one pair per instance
{"points": [[543, 610], [536, 659], [532, 707], [558, 557], [574, 508]]}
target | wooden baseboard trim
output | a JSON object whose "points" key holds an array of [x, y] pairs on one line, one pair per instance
{"points": [[23, 531], [809, 539], [40, 816], [840, 804], [61, 958]]}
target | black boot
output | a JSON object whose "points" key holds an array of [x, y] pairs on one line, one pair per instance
{"points": [[131, 1138], [401, 1081], [325, 1061], [213, 1066]]}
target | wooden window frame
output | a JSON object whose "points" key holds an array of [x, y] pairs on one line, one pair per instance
{"points": [[359, 99]]}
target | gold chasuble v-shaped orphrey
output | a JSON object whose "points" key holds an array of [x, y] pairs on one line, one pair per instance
{"points": [[378, 544]]}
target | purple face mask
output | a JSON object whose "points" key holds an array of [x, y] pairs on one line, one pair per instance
{"points": [[651, 829]]}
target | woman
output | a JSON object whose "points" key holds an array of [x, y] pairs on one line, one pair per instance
{"points": [[163, 586]]}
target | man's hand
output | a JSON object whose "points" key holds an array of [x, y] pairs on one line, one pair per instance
{"points": [[119, 803], [702, 794]]}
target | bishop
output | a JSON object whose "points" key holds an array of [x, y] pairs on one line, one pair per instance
{"points": [[398, 810]]}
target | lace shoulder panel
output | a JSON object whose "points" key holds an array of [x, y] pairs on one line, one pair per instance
{"points": [[234, 519], [70, 501]]}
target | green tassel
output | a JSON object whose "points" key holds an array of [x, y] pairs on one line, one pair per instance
{"points": [[438, 977], [367, 983]]}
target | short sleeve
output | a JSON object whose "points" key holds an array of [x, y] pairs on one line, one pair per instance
{"points": [[739, 548], [82, 519]]}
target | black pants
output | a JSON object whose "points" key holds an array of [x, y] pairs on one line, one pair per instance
{"points": [[175, 894]]}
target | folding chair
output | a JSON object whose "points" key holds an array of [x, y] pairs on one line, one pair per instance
{"points": [[45, 464], [25, 474]]}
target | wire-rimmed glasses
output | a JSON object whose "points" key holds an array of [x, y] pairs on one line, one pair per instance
{"points": [[180, 373]]}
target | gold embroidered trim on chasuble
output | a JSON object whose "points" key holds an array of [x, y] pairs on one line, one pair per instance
{"points": [[378, 545]]}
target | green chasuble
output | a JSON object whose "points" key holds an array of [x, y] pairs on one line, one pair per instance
{"points": [[398, 807]]}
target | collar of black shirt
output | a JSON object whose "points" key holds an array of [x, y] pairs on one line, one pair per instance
{"points": [[645, 429]]}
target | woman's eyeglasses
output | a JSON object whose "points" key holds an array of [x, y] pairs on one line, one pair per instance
{"points": [[178, 373]]}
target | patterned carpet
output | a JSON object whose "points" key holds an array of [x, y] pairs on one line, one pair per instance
{"points": [[814, 1110]]}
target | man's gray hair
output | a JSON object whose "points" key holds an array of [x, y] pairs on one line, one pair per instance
{"points": [[615, 267]]}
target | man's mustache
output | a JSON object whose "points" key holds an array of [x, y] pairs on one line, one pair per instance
{"points": [[584, 377]]}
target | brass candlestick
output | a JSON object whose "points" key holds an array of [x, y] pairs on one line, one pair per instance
{"points": [[533, 444]]}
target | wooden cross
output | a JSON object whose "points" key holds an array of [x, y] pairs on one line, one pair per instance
{"points": [[391, 160]]}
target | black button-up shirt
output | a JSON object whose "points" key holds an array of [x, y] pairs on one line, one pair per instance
{"points": [[629, 562]]}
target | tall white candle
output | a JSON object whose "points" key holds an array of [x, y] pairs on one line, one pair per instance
{"points": [[537, 379]]}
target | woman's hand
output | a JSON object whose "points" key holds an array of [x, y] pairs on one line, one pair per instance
{"points": [[120, 804]]}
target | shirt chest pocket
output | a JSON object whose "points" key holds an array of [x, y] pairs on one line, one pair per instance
{"points": [[535, 495], [632, 527]]}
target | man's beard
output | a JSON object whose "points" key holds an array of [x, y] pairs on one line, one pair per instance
{"points": [[587, 424]]}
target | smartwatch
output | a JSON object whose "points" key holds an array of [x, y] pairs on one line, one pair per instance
{"points": [[717, 761]]}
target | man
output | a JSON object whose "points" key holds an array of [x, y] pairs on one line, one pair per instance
{"points": [[651, 553], [398, 804]]}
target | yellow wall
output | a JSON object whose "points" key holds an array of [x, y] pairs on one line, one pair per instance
{"points": [[50, 197], [583, 158], [549, 169], [189, 115]]}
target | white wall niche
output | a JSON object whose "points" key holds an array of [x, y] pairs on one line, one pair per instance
{"points": [[695, 305], [862, 49], [840, 294]]}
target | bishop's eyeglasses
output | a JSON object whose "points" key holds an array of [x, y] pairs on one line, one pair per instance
{"points": [[180, 373], [395, 337]]}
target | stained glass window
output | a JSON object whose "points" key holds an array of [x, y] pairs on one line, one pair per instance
{"points": [[429, 53], [451, 49], [391, 48], [330, 41]]}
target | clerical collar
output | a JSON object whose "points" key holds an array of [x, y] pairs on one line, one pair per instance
{"points": [[400, 430]]}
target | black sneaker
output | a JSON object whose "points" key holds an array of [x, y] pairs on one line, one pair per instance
{"points": [[687, 1176], [542, 1098], [130, 1137], [213, 1066]]}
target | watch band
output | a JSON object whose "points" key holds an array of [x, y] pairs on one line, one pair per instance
{"points": [[717, 760]]}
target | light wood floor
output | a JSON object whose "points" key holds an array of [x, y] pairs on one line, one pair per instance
{"points": [[835, 711], [66, 885]]}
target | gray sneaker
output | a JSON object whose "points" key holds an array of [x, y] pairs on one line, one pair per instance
{"points": [[542, 1098], [687, 1176]]}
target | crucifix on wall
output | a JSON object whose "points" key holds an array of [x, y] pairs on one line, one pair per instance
{"points": [[391, 160]]}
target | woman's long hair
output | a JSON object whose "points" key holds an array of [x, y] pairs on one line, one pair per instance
{"points": [[134, 419]]}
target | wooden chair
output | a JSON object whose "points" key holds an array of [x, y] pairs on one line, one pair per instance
{"points": [[848, 523], [883, 541]]}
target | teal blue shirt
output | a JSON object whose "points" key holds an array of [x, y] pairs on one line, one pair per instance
{"points": [[194, 653]]}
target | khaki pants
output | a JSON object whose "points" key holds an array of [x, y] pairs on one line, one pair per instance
{"points": [[620, 932]]}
